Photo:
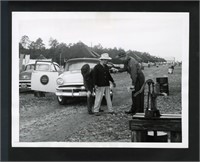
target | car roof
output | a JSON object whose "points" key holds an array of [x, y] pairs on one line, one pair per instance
{"points": [[82, 59], [41, 62]]}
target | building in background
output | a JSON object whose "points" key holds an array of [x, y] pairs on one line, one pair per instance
{"points": [[170, 60]]}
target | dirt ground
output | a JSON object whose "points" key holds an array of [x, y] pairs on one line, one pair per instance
{"points": [[44, 120]]}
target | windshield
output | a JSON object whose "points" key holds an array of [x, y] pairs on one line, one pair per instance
{"points": [[73, 66]]}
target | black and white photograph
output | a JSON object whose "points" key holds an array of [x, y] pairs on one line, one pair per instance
{"points": [[100, 79]]}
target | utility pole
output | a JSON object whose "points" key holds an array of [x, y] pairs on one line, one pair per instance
{"points": [[60, 58]]}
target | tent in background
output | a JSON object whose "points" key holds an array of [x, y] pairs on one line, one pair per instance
{"points": [[80, 50]]}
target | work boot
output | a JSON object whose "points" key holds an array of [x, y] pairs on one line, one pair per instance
{"points": [[90, 112], [97, 113]]}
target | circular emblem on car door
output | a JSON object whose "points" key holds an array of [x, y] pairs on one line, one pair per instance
{"points": [[44, 79]]}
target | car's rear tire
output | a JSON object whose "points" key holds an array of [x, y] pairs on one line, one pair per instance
{"points": [[62, 100], [39, 94]]}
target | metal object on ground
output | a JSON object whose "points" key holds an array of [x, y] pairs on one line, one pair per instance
{"points": [[163, 84], [152, 120], [151, 110]]}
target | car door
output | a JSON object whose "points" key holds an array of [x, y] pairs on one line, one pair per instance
{"points": [[44, 81]]}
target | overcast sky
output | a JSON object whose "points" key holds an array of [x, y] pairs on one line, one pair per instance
{"points": [[160, 34]]}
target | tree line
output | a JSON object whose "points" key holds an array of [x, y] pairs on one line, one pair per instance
{"points": [[60, 52]]}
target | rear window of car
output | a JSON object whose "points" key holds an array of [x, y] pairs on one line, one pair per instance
{"points": [[42, 67], [77, 65]]}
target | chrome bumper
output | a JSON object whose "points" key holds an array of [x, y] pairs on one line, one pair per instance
{"points": [[25, 85], [72, 94]]}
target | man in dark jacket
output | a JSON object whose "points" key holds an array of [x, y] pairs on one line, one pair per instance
{"points": [[89, 85], [138, 79], [102, 79]]}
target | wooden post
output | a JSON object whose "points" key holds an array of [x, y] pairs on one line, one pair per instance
{"points": [[155, 133], [138, 136], [21, 62], [176, 136], [168, 136]]}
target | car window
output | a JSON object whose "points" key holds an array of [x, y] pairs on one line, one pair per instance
{"points": [[78, 65], [30, 67], [57, 67], [53, 67], [42, 67]]}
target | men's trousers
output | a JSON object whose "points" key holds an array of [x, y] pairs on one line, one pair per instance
{"points": [[100, 91], [138, 101], [90, 101]]}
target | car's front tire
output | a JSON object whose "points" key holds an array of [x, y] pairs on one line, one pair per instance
{"points": [[62, 100]]}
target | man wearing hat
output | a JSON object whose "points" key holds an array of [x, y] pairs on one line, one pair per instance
{"points": [[102, 79], [138, 79]]}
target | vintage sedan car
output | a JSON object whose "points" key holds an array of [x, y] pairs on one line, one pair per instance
{"points": [[70, 82], [25, 76]]}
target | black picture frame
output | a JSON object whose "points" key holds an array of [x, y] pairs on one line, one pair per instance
{"points": [[99, 154]]}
